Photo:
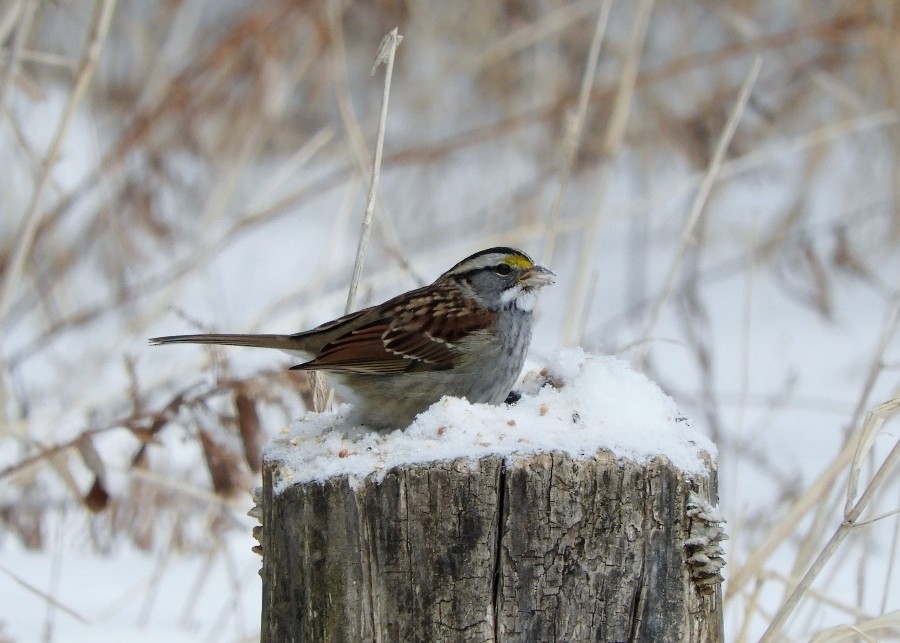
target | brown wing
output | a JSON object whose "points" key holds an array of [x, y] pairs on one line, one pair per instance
{"points": [[402, 339]]}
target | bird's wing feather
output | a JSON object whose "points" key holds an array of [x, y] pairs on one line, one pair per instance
{"points": [[400, 340]]}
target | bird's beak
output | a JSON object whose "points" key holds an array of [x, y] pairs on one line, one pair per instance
{"points": [[537, 277]]}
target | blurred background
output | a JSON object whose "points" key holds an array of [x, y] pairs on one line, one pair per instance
{"points": [[715, 185]]}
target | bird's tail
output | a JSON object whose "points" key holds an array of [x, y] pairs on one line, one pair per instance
{"points": [[282, 342]]}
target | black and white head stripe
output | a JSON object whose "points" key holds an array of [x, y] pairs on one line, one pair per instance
{"points": [[490, 258]]}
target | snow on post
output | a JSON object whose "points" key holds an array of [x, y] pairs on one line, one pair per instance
{"points": [[585, 511]]}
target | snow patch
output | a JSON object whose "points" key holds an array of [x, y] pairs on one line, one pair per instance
{"points": [[579, 404]]}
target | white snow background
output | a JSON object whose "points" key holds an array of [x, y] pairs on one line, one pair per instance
{"points": [[776, 341]]}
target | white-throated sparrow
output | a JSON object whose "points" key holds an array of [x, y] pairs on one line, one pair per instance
{"points": [[465, 335]]}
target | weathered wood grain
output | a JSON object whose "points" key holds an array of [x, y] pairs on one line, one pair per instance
{"points": [[540, 547]]}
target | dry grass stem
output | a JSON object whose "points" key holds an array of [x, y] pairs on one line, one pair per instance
{"points": [[615, 131], [699, 203], [786, 526], [386, 53], [873, 630], [558, 19], [821, 597], [293, 165], [103, 13], [322, 396], [573, 126], [874, 421], [47, 598], [891, 565], [23, 14], [871, 427]]}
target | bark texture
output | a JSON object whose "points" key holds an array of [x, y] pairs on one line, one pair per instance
{"points": [[540, 547]]}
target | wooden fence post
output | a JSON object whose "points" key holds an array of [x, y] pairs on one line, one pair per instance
{"points": [[535, 547]]}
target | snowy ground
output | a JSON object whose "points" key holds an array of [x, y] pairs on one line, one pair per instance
{"points": [[776, 341], [75, 596]]}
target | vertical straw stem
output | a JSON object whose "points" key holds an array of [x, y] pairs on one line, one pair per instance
{"points": [[573, 129], [706, 185], [386, 55]]}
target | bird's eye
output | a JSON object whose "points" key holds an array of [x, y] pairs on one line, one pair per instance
{"points": [[503, 269]]}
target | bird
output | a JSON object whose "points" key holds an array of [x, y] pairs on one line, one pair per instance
{"points": [[464, 335]]}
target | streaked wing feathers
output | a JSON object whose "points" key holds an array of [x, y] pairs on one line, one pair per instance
{"points": [[402, 339]]}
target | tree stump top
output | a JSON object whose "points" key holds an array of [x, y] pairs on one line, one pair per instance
{"points": [[585, 511], [579, 404]]}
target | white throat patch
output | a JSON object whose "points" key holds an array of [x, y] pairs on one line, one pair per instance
{"points": [[523, 298]]}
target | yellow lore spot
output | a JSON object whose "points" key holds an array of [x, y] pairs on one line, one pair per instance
{"points": [[518, 261]]}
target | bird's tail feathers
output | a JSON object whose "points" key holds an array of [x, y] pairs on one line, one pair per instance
{"points": [[282, 342]]}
